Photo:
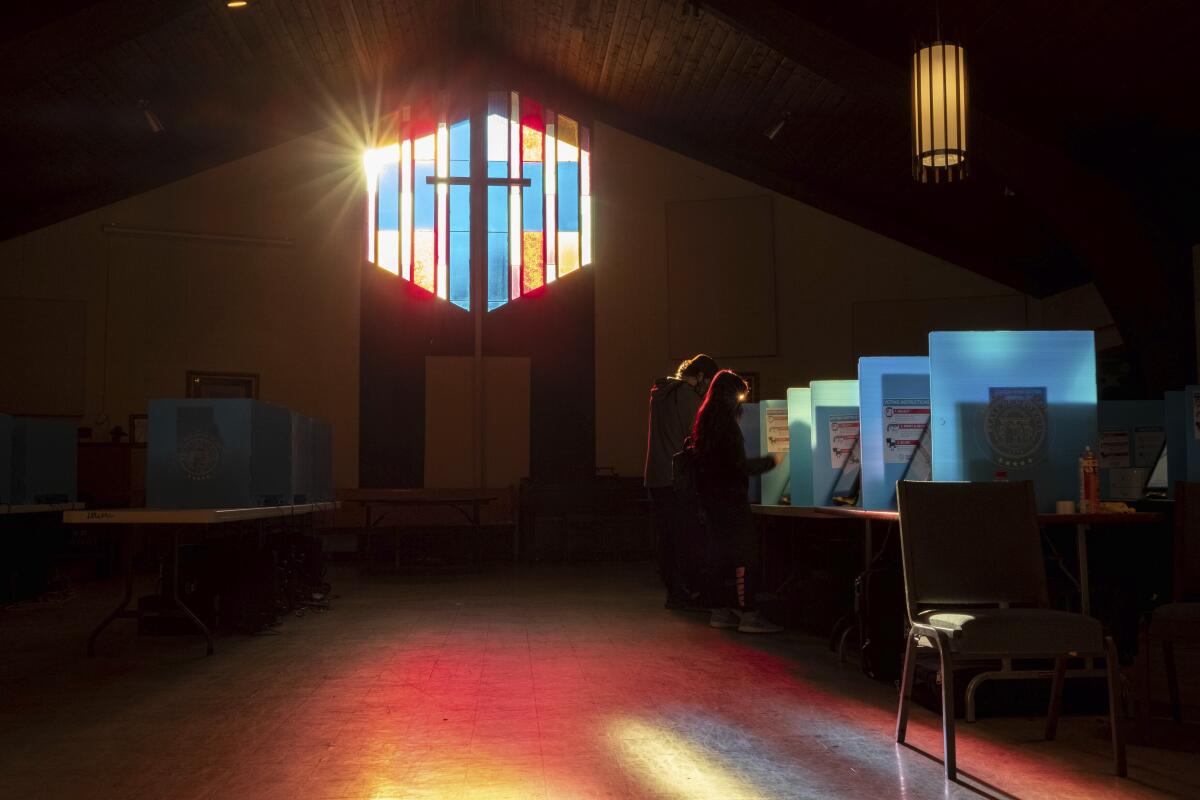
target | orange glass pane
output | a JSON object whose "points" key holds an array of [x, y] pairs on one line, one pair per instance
{"points": [[568, 252], [531, 144], [532, 261], [568, 139], [423, 261]]}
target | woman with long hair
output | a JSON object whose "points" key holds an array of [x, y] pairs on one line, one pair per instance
{"points": [[722, 480]]}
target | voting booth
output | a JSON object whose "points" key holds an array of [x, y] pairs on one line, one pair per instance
{"points": [[893, 417], [42, 461], [799, 411], [1179, 423], [218, 453], [835, 434], [312, 460], [751, 425], [1013, 405], [302, 458], [322, 455], [774, 439], [1130, 437]]}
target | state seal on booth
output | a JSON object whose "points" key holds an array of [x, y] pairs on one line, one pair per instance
{"points": [[1015, 425], [199, 454]]}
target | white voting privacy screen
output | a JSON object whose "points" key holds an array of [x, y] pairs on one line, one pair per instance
{"points": [[799, 410], [751, 424], [894, 414], [835, 434], [774, 438], [1130, 437], [1019, 405]]}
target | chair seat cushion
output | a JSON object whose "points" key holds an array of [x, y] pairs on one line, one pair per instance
{"points": [[1176, 620], [1036, 631]]}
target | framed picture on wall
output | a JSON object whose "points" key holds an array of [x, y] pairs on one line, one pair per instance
{"points": [[751, 379], [138, 426], [222, 385]]}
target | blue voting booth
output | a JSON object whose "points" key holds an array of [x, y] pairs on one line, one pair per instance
{"points": [[218, 453], [42, 461], [1180, 427], [774, 437], [322, 455], [751, 425], [1130, 437], [1019, 405], [834, 438], [312, 460], [302, 458], [799, 410], [1191, 425], [893, 415]]}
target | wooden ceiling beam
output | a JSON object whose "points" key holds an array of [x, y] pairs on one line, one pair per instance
{"points": [[94, 29]]}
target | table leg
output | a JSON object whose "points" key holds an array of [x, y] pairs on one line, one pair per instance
{"points": [[121, 611], [1085, 591], [478, 535], [395, 550], [368, 524], [179, 604], [1085, 586]]}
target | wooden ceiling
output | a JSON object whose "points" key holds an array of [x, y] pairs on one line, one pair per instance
{"points": [[1085, 129]]}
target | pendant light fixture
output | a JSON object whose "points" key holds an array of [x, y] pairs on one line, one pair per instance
{"points": [[939, 111]]}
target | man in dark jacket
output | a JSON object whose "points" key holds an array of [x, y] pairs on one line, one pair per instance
{"points": [[674, 402]]}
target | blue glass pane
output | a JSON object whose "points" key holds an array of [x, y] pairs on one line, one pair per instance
{"points": [[389, 198], [460, 269], [497, 208], [423, 200], [497, 169], [531, 198], [460, 208], [568, 196], [497, 270]]}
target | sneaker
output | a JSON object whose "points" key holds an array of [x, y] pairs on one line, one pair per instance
{"points": [[754, 622], [722, 618]]}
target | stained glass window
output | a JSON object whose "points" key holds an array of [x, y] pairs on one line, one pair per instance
{"points": [[547, 231], [536, 183]]}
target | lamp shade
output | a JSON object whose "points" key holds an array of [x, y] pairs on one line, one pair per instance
{"points": [[939, 112]]}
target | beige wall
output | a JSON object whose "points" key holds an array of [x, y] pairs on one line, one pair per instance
{"points": [[158, 307], [825, 267]]}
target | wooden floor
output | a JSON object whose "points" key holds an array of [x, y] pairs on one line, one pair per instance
{"points": [[537, 682]]}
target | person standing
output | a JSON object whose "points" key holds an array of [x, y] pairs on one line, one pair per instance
{"points": [[674, 402], [723, 474]]}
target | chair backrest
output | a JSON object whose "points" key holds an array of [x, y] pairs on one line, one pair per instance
{"points": [[1187, 541], [970, 544]]}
